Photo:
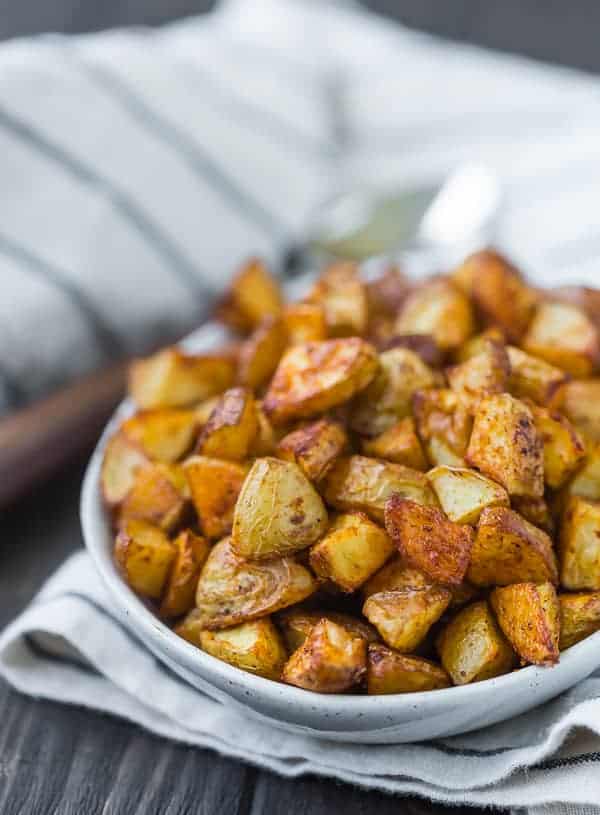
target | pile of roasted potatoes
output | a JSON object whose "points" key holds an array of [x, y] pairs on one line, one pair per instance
{"points": [[390, 486]]}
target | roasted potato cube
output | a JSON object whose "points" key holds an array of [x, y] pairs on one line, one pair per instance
{"points": [[579, 545], [391, 672], [231, 590], [353, 549], [529, 616], [479, 344], [439, 309], [164, 435], [172, 378], [483, 374], [584, 297], [304, 322], [343, 297], [536, 511], [191, 553], [389, 396], [278, 511], [203, 411], [498, 292], [145, 556], [255, 647], [330, 660], [508, 549], [472, 647], [421, 344], [253, 295], [314, 447], [564, 450], [260, 354], [506, 446], [231, 427], [158, 495], [579, 617], [214, 485], [122, 461], [533, 378], [265, 440], [315, 377], [564, 336], [586, 482], [364, 484], [387, 292], [428, 541], [444, 424], [296, 624], [403, 617], [463, 494], [581, 405], [399, 444], [396, 575]]}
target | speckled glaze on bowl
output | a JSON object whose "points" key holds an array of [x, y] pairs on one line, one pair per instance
{"points": [[367, 719]]}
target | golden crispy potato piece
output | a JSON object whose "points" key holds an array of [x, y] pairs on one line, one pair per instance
{"points": [[479, 344], [581, 405], [164, 435], [482, 374], [389, 396], [330, 660], [231, 427], [317, 376], [463, 494], [444, 424], [144, 556], [343, 297], [159, 495], [428, 541], [533, 378], [404, 616], [191, 553], [421, 344], [579, 545], [214, 485], [278, 511], [314, 447], [172, 378], [498, 292], [584, 297], [564, 336], [122, 461], [232, 590], [529, 616], [586, 482], [397, 575], [296, 624], [265, 440], [399, 444], [472, 647], [364, 484], [260, 354], [564, 450], [387, 292], [508, 549], [391, 672], [439, 309], [536, 511], [254, 646], [304, 322], [253, 295], [353, 549], [579, 617], [506, 446]]}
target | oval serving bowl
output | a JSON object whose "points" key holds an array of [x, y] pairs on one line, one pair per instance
{"points": [[386, 719]]}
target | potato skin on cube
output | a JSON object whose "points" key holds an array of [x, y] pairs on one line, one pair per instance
{"points": [[529, 616], [231, 427], [144, 556], [391, 672], [564, 450], [506, 446], [314, 447], [439, 309], [253, 295], [158, 495], [304, 322], [278, 511], [316, 376], [444, 424], [564, 336], [164, 435], [260, 353], [231, 590], [330, 660], [364, 484], [581, 405], [508, 549], [403, 617], [399, 444], [214, 485], [296, 623], [579, 617], [483, 374], [254, 646], [428, 541], [579, 545], [535, 379], [122, 461], [472, 647], [343, 297], [191, 554], [353, 549], [464, 494]]}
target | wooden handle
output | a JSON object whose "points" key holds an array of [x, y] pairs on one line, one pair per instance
{"points": [[38, 440]]}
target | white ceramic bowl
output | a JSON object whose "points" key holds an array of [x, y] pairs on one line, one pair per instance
{"points": [[368, 719]]}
